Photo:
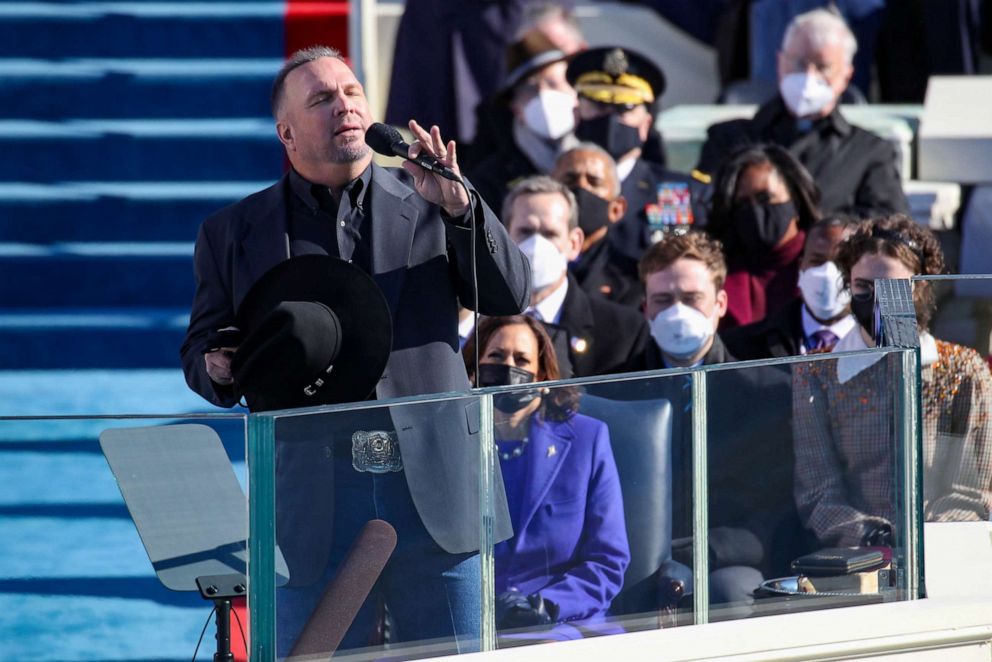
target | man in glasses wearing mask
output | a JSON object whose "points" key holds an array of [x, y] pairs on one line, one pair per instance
{"points": [[618, 97], [592, 336], [815, 320], [854, 169], [590, 173]]}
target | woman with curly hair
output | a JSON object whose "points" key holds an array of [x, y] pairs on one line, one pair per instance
{"points": [[567, 557], [844, 439], [763, 204]]}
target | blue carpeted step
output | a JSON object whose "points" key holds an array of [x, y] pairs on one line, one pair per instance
{"points": [[139, 150], [75, 583], [128, 88], [126, 338], [78, 392], [96, 275], [124, 29], [113, 211]]}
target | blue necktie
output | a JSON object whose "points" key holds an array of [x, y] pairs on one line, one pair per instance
{"points": [[823, 339]]}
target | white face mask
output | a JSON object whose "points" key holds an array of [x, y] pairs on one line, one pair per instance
{"points": [[547, 263], [681, 330], [806, 94], [823, 290], [550, 114]]}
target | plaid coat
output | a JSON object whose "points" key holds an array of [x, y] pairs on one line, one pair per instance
{"points": [[845, 450]]}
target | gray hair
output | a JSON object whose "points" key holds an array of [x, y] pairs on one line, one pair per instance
{"points": [[822, 27], [538, 13], [297, 59], [611, 164], [537, 185]]}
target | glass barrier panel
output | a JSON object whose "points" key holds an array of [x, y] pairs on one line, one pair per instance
{"points": [[590, 502], [107, 521], [806, 470], [378, 518], [598, 481]]}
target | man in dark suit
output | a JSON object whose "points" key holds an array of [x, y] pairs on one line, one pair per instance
{"points": [[595, 336], [591, 174], [855, 169], [411, 231], [618, 97], [816, 319], [754, 528]]}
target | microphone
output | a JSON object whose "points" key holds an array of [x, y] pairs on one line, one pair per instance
{"points": [[343, 597], [387, 141]]}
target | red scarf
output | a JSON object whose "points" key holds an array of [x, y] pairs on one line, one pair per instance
{"points": [[758, 288]]}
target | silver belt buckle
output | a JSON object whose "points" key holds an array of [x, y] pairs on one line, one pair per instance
{"points": [[376, 451]]}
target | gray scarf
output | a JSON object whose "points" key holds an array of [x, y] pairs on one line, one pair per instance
{"points": [[540, 151]]}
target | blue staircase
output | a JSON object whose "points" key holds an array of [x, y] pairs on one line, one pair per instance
{"points": [[122, 126]]}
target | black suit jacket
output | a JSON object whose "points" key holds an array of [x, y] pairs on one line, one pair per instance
{"points": [[598, 336], [780, 334], [421, 263], [854, 168], [494, 175], [602, 272], [750, 457]]}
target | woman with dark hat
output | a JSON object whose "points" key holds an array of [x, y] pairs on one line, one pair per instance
{"points": [[529, 123]]}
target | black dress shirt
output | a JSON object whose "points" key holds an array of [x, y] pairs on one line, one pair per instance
{"points": [[320, 224]]}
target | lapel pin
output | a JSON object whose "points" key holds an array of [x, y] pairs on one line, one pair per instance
{"points": [[552, 451], [579, 345]]}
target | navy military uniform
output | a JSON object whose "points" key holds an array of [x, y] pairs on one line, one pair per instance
{"points": [[659, 201]]}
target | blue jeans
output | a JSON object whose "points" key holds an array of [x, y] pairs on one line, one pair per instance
{"points": [[430, 593]]}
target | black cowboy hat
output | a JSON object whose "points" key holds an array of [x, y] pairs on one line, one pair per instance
{"points": [[317, 331]]}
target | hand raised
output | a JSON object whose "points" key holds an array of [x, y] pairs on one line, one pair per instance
{"points": [[432, 187]]}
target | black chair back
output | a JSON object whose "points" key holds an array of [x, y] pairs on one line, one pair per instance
{"points": [[641, 437]]}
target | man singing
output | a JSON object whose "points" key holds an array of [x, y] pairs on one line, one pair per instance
{"points": [[411, 231]]}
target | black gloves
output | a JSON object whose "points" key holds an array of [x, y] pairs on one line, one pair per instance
{"points": [[880, 536], [516, 610]]}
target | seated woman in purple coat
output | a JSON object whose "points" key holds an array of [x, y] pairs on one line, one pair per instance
{"points": [[566, 559]]}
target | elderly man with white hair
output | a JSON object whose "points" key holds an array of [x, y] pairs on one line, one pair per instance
{"points": [[854, 169]]}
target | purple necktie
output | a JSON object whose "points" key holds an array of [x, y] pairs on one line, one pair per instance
{"points": [[823, 339]]}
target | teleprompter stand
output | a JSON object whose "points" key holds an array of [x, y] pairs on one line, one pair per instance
{"points": [[221, 589], [190, 511]]}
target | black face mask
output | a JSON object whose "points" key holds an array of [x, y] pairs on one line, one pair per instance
{"points": [[499, 374], [759, 227], [863, 309], [610, 133], [593, 210]]}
